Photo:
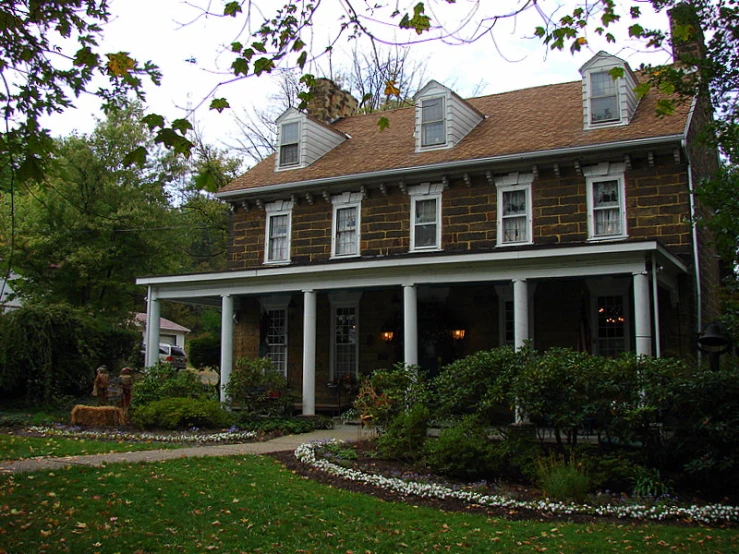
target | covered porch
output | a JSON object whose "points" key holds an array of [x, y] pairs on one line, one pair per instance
{"points": [[325, 325]]}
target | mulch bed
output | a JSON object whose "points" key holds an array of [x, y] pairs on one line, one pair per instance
{"points": [[389, 468]]}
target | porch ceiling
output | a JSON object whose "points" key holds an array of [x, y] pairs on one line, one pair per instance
{"points": [[442, 269]]}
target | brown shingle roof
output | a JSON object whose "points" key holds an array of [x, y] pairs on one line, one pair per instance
{"points": [[529, 120]]}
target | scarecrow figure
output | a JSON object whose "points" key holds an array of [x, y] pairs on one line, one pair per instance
{"points": [[125, 381], [100, 386]]}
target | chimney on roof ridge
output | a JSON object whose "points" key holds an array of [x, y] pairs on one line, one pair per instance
{"points": [[329, 102], [688, 44]]}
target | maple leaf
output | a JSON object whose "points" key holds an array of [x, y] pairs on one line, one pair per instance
{"points": [[120, 64]]}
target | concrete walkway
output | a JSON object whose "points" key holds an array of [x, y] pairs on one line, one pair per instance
{"points": [[280, 444]]}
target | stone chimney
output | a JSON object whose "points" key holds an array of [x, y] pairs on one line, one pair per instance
{"points": [[688, 44], [329, 102]]}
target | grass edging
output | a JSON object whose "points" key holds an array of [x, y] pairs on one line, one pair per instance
{"points": [[708, 514]]}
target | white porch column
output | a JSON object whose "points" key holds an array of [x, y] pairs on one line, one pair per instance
{"points": [[520, 313], [227, 341], [410, 324], [642, 322], [152, 329], [309, 352], [520, 328]]}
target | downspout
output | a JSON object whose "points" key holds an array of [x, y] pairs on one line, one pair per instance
{"points": [[696, 255], [655, 307]]}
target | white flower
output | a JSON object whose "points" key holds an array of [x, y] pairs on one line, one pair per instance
{"points": [[709, 514]]}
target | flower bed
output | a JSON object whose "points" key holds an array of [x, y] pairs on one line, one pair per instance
{"points": [[191, 437], [707, 514]]}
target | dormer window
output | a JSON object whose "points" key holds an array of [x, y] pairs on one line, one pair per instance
{"points": [[442, 118], [607, 102], [603, 98], [433, 122], [290, 144]]}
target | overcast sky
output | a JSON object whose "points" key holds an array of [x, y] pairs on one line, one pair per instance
{"points": [[190, 53]]}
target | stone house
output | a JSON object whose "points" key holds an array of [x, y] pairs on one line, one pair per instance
{"points": [[558, 214]]}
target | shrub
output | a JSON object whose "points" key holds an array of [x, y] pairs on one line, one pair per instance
{"points": [[163, 381], [257, 389], [405, 435], [556, 388], [48, 352], [205, 351], [562, 480], [388, 392], [283, 426], [462, 451], [479, 384], [182, 413]]}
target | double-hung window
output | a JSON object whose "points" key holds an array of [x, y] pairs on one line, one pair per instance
{"points": [[514, 209], [277, 232], [425, 217], [606, 202], [433, 122], [603, 98], [346, 226], [290, 144]]}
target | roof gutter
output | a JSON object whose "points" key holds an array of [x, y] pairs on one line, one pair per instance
{"points": [[399, 173]]}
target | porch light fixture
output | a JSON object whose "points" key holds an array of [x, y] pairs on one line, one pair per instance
{"points": [[387, 336], [714, 342], [458, 334]]}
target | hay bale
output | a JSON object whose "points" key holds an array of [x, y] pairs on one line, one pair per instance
{"points": [[97, 416]]}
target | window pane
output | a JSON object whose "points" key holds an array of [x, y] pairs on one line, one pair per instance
{"points": [[345, 355], [433, 129], [425, 235], [346, 231], [289, 133], [604, 109], [289, 154], [277, 340], [433, 133], [426, 211], [611, 325], [607, 222], [603, 84], [432, 110], [425, 223], [514, 202], [605, 194], [514, 229], [278, 237]]}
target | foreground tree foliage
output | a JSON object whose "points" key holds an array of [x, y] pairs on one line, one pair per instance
{"points": [[83, 235], [48, 354]]}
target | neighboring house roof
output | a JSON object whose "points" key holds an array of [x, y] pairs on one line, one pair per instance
{"points": [[539, 119], [164, 324]]}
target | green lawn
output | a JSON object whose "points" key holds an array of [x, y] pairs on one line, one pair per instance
{"points": [[17, 447], [252, 504]]}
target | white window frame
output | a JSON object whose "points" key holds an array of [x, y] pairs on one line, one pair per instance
{"points": [[514, 182], [617, 85], [344, 300], [420, 193], [272, 210], [599, 174], [281, 164], [342, 202], [443, 121]]}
